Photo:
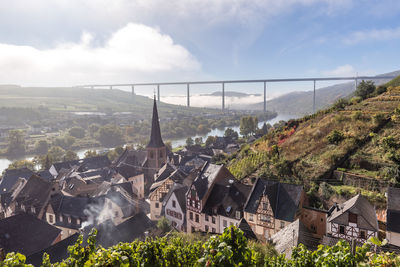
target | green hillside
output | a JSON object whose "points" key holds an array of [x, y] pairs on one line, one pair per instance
{"points": [[356, 137], [82, 99]]}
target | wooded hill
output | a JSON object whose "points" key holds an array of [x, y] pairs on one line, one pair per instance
{"points": [[360, 138]]}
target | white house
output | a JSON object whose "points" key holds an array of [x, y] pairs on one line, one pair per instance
{"points": [[174, 206]]}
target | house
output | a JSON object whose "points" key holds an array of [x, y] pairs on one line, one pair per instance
{"points": [[27, 234], [198, 193], [315, 220], [273, 205], [134, 176], [57, 252], [354, 219], [11, 177], [31, 196], [246, 228], [69, 213], [160, 189], [393, 216], [291, 236], [225, 203], [174, 206]]}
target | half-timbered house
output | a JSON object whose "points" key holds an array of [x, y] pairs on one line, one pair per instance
{"points": [[354, 219], [272, 205]]}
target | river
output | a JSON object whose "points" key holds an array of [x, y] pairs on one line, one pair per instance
{"points": [[4, 162]]}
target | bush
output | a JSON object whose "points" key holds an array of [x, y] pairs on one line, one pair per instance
{"points": [[380, 89], [364, 89], [357, 115], [340, 104], [335, 137], [378, 118], [356, 99], [77, 132]]}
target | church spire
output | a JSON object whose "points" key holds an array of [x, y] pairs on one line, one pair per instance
{"points": [[155, 138]]}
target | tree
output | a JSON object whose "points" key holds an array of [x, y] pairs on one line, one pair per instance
{"points": [[189, 141], [265, 128], [110, 136], [198, 140], [163, 225], [248, 125], [93, 129], [77, 132], [168, 144], [42, 147], [210, 140], [19, 164], [16, 142], [229, 132], [64, 142], [365, 88], [56, 154], [90, 154], [335, 137], [70, 155]]}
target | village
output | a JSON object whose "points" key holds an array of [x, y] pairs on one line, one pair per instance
{"points": [[123, 199]]}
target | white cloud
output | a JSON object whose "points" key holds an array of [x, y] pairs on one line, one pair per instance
{"points": [[134, 52], [344, 70], [372, 35]]}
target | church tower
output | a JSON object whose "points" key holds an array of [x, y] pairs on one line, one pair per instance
{"points": [[156, 149]]}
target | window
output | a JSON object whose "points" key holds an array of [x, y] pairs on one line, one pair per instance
{"points": [[191, 216], [206, 218], [213, 220], [192, 229], [251, 217], [168, 186], [265, 218], [157, 205], [33, 210], [352, 218], [173, 203], [69, 219], [238, 215], [51, 219], [78, 221], [265, 205], [116, 214], [23, 207], [213, 230], [341, 229], [313, 228], [197, 218], [363, 235], [61, 218], [224, 223], [206, 228], [282, 225], [151, 154], [193, 193]]}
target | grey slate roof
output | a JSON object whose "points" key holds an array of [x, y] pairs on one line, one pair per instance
{"points": [[358, 205], [292, 235], [227, 199], [393, 210], [245, 227], [11, 177], [155, 137], [26, 234], [284, 198], [57, 252], [206, 178]]}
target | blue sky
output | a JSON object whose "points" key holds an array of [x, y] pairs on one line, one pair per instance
{"points": [[67, 42]]}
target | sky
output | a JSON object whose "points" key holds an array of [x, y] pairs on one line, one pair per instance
{"points": [[69, 42]]}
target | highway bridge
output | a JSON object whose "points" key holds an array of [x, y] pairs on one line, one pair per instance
{"points": [[158, 85]]}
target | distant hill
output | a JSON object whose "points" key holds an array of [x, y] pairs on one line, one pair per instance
{"points": [[300, 103], [74, 99], [230, 94]]}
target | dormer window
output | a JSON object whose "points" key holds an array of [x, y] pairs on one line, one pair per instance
{"points": [[69, 219], [22, 207], [78, 221], [352, 218], [33, 210], [60, 218]]}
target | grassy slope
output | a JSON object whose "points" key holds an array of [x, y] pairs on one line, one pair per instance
{"points": [[311, 157], [79, 99]]}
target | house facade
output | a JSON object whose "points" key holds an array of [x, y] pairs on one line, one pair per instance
{"points": [[354, 219], [393, 216], [174, 207], [272, 206]]}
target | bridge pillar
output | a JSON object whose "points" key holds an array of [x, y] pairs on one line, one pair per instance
{"points": [[133, 92], [265, 96], [110, 87], [188, 94], [223, 96], [314, 98], [158, 93], [355, 84]]}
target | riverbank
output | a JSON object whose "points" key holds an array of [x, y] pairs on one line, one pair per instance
{"points": [[5, 162]]}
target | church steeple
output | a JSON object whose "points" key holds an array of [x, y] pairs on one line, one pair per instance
{"points": [[155, 138]]}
